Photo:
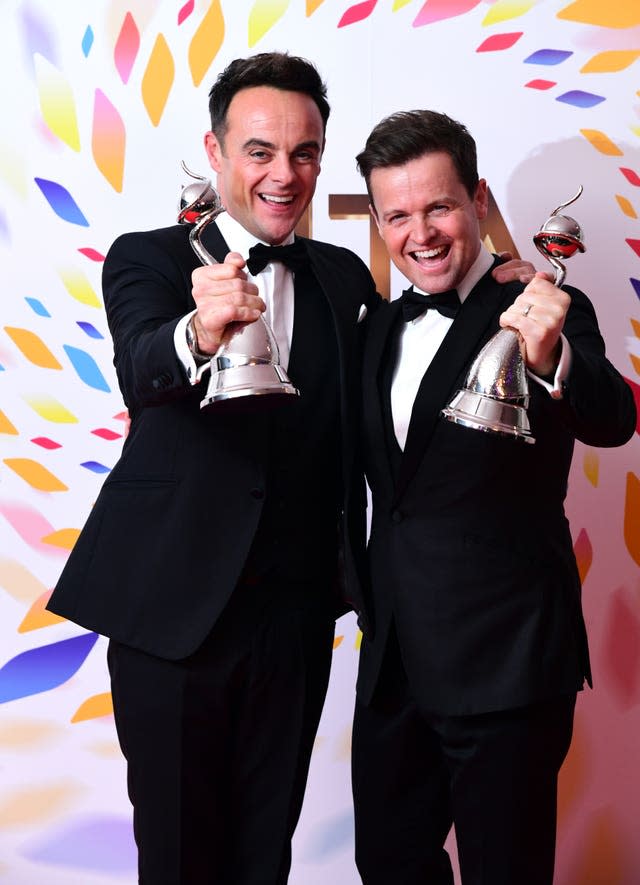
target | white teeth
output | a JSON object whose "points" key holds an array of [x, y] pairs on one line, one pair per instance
{"points": [[430, 253], [271, 198]]}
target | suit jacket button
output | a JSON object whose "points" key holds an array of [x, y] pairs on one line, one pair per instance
{"points": [[258, 494], [396, 517]]}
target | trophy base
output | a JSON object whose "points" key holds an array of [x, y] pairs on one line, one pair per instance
{"points": [[480, 412], [253, 380]]}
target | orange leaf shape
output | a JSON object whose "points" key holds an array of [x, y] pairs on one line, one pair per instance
{"points": [[94, 707], [33, 347], [158, 79], [38, 617], [632, 517], [584, 554], [63, 538], [601, 142], [108, 140], [206, 42], [36, 475]]}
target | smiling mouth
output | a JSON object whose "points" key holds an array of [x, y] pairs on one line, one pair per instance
{"points": [[430, 254], [274, 200]]}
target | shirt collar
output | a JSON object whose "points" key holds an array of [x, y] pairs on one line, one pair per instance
{"points": [[237, 238]]}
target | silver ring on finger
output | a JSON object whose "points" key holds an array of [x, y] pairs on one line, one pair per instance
{"points": [[527, 309]]}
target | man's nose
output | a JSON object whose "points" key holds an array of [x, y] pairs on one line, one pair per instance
{"points": [[282, 170]]}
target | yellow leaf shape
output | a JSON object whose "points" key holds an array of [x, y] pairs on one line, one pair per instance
{"points": [[79, 287], [94, 707], [337, 640], [158, 79], [33, 347], [206, 42], [6, 426], [358, 641], [263, 16], [38, 617], [12, 170], [610, 62], [591, 466], [35, 474], [50, 409], [64, 538], [626, 206], [19, 582], [620, 14], [108, 140], [312, 5], [36, 804], [399, 4], [632, 517], [601, 142], [25, 734], [503, 10], [57, 103]]}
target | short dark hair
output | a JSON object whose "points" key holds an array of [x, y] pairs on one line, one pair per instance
{"points": [[276, 69], [407, 135]]}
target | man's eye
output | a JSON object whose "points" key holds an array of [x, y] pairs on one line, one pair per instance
{"points": [[259, 155], [439, 211]]}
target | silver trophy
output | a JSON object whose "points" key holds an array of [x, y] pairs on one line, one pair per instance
{"points": [[496, 392], [247, 362]]}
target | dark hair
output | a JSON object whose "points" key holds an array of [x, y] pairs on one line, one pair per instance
{"points": [[276, 69], [407, 135]]}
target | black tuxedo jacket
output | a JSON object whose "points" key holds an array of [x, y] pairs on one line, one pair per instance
{"points": [[470, 552], [169, 534]]}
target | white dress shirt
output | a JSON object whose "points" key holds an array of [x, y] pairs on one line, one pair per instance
{"points": [[275, 287], [420, 339]]}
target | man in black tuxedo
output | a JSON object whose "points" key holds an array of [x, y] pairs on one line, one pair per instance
{"points": [[476, 644], [210, 558]]}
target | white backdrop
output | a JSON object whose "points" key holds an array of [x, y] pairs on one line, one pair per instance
{"points": [[100, 102]]}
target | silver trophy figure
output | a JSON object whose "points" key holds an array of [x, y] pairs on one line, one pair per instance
{"points": [[496, 392], [247, 362]]}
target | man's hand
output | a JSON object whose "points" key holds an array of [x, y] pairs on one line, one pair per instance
{"points": [[514, 269], [222, 295], [539, 314]]}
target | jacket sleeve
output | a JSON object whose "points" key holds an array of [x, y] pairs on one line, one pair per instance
{"points": [[147, 289], [598, 406]]}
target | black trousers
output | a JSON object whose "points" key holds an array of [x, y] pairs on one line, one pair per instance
{"points": [[493, 776], [218, 745]]}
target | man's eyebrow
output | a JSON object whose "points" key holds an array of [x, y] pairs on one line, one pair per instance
{"points": [[259, 142]]}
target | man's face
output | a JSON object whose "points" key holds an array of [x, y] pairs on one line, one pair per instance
{"points": [[269, 161], [427, 220]]}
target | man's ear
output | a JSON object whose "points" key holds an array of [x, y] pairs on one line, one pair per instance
{"points": [[374, 215], [481, 200], [214, 150]]}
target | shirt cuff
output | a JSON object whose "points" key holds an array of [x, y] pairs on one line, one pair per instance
{"points": [[556, 389], [193, 370]]}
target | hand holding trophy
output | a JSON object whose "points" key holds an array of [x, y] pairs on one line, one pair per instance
{"points": [[247, 362], [496, 392]]}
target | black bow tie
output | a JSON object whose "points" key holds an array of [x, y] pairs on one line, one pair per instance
{"points": [[414, 304], [294, 256]]}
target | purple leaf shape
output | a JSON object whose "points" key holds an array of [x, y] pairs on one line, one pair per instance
{"points": [[41, 669]]}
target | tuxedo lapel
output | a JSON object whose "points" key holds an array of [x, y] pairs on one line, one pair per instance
{"points": [[447, 371], [373, 375], [215, 243]]}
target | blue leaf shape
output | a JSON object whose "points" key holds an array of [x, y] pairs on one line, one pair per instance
{"points": [[37, 307], [61, 202], [87, 368], [100, 844], [95, 467], [41, 669], [87, 41]]}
